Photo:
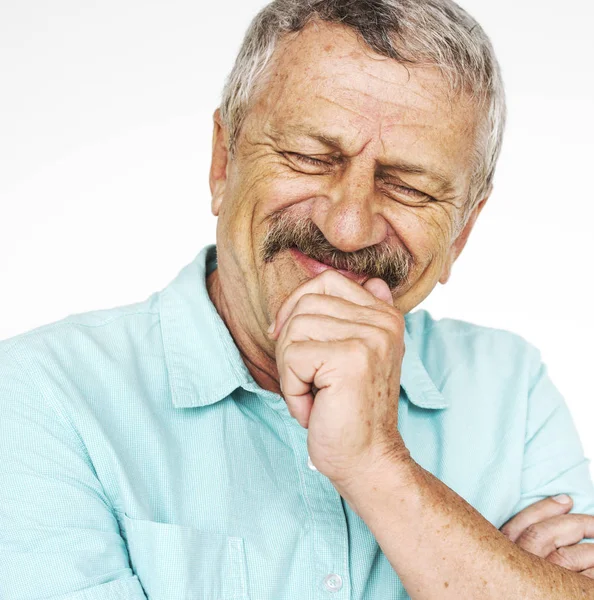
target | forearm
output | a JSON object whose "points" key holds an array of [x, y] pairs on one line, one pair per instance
{"points": [[441, 547]]}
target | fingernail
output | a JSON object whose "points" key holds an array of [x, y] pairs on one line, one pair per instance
{"points": [[271, 328], [562, 499]]}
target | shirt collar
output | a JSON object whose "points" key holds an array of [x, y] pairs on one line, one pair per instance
{"points": [[204, 364], [415, 380]]}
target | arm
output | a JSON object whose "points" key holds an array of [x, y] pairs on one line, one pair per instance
{"points": [[58, 536], [346, 342], [442, 547]]}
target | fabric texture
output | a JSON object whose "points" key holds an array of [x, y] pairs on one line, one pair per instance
{"points": [[139, 458]]}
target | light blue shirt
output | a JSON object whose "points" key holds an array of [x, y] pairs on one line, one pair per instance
{"points": [[139, 459]]}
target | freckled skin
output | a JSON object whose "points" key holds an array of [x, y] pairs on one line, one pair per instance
{"points": [[383, 113]]}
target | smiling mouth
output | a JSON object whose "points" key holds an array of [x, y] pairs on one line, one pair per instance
{"points": [[314, 267]]}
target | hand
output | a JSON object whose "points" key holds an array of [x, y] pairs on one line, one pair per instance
{"points": [[347, 342], [544, 529]]}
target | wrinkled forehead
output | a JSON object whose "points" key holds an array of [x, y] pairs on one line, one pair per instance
{"points": [[325, 73], [325, 80]]}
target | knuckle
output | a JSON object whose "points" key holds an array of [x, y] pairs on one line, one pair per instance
{"points": [[395, 325], [358, 351], [396, 319], [291, 329], [384, 342], [389, 343], [290, 353], [562, 558], [534, 535], [298, 322], [329, 275], [306, 303]]}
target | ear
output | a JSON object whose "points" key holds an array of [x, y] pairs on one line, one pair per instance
{"points": [[218, 165], [459, 243]]}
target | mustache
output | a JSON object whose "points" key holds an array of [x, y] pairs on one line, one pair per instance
{"points": [[391, 264]]}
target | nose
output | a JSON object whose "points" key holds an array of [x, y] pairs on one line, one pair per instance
{"points": [[348, 214]]}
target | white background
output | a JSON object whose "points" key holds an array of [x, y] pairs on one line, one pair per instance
{"points": [[105, 132]]}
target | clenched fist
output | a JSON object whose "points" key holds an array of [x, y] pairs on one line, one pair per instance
{"points": [[339, 354]]}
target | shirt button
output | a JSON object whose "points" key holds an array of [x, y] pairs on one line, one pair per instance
{"points": [[333, 582], [310, 464]]}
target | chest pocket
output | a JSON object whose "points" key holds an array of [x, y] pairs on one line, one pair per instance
{"points": [[174, 562]]}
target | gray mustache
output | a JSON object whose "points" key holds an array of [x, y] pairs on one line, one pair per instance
{"points": [[285, 232]]}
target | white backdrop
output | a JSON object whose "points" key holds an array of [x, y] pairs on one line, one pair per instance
{"points": [[105, 132]]}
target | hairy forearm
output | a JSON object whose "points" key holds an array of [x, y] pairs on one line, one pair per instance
{"points": [[441, 547]]}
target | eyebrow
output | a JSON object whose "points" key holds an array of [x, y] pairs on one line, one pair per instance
{"points": [[444, 185], [328, 140]]}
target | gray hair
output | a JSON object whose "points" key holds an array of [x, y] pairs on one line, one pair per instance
{"points": [[435, 33]]}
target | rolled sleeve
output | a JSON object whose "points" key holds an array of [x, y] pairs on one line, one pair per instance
{"points": [[554, 461], [59, 538]]}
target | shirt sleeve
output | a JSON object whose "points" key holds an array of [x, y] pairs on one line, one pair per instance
{"points": [[59, 538], [554, 461]]}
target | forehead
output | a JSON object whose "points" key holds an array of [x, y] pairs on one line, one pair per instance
{"points": [[325, 77]]}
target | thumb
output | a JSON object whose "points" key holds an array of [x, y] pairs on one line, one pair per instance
{"points": [[380, 289]]}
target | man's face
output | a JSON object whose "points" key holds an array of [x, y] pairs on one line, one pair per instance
{"points": [[347, 158]]}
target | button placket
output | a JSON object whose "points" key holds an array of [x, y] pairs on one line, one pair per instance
{"points": [[329, 530]]}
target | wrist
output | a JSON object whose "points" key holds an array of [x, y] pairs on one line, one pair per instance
{"points": [[392, 470]]}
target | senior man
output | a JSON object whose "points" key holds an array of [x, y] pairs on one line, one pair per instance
{"points": [[276, 423]]}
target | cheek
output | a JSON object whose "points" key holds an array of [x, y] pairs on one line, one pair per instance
{"points": [[237, 211], [294, 187], [254, 192], [279, 187], [425, 232]]}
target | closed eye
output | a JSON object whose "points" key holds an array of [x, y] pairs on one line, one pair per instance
{"points": [[408, 191], [322, 167], [316, 162]]}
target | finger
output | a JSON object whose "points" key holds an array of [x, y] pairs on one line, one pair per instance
{"points": [[535, 513], [543, 538], [323, 328], [588, 572], [304, 364], [297, 372], [578, 558], [326, 328], [329, 283], [380, 289], [333, 306]]}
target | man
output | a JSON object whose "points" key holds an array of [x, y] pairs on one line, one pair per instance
{"points": [[277, 423]]}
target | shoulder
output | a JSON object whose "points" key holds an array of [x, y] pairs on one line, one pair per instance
{"points": [[475, 353], [85, 325], [468, 338], [81, 349]]}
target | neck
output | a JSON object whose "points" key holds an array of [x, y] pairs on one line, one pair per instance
{"points": [[257, 354]]}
